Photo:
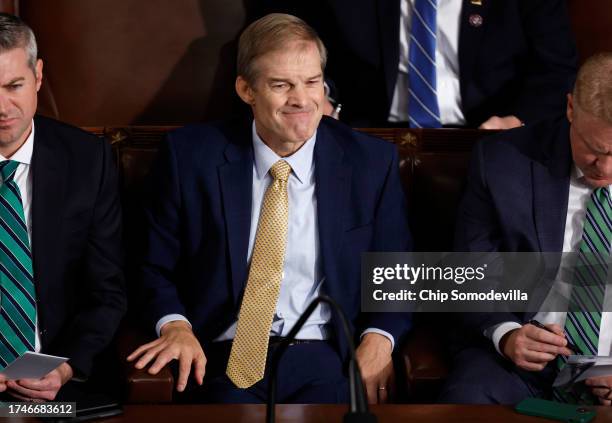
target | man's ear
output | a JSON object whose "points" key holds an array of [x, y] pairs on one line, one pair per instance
{"points": [[244, 91], [38, 73], [569, 110]]}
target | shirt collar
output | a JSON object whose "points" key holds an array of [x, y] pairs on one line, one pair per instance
{"points": [[300, 161], [24, 153], [577, 173]]}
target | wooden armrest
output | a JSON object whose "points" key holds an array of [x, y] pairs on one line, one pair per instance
{"points": [[140, 386], [426, 363]]}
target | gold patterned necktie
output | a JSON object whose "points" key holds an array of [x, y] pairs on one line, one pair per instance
{"points": [[247, 360]]}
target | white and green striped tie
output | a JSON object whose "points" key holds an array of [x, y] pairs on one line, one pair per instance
{"points": [[586, 301], [17, 294]]}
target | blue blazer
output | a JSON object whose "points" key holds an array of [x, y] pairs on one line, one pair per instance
{"points": [[198, 212], [516, 198]]}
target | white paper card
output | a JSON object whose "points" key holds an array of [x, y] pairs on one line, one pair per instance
{"points": [[32, 365], [600, 366]]}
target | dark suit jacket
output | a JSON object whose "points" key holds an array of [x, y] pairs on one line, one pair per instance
{"points": [[76, 242], [516, 198], [521, 61], [199, 216]]}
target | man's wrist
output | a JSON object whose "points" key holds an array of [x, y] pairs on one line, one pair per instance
{"points": [[381, 342], [497, 332], [65, 371], [167, 319], [379, 332], [503, 341], [175, 325]]}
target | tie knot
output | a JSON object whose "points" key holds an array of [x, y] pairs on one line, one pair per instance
{"points": [[280, 170], [7, 170]]}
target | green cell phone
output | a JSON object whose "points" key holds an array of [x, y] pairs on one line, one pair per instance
{"points": [[571, 413]]}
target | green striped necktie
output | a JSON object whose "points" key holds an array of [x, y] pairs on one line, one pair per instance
{"points": [[17, 295], [583, 319]]}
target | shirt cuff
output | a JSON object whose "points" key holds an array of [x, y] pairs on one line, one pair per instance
{"points": [[169, 318], [380, 332], [497, 332]]}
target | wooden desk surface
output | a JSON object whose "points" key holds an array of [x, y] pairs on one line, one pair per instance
{"points": [[331, 413]]}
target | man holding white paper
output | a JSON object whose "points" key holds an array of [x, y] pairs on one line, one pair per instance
{"points": [[61, 285], [544, 187]]}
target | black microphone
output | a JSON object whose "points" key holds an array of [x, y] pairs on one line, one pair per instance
{"points": [[358, 410]]}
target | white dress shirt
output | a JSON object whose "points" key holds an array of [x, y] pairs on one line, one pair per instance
{"points": [[302, 271], [447, 63], [23, 179], [579, 195]]}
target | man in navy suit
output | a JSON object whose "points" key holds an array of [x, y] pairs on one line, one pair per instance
{"points": [[529, 190], [61, 283], [208, 189], [499, 63]]}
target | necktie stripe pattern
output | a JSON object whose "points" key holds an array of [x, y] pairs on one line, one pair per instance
{"points": [[433, 4], [16, 225], [423, 79], [586, 276], [247, 361], [587, 272], [16, 285], [17, 294], [583, 321], [423, 109]]}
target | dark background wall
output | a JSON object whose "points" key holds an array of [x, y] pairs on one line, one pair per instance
{"points": [[164, 62], [592, 24], [118, 62]]}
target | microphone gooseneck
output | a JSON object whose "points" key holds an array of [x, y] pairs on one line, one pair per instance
{"points": [[358, 409]]}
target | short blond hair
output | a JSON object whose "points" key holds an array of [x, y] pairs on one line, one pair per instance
{"points": [[593, 88], [272, 33]]}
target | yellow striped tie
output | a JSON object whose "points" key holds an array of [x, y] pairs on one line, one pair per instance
{"points": [[247, 360]]}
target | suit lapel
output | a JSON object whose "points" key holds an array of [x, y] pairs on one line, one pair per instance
{"points": [[551, 189], [49, 173], [236, 179], [472, 27], [551, 179], [333, 180]]}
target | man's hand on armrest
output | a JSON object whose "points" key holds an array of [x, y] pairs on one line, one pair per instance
{"points": [[531, 348], [176, 342], [376, 366]]}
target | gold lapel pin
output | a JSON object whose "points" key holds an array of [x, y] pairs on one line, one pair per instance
{"points": [[476, 2]]}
